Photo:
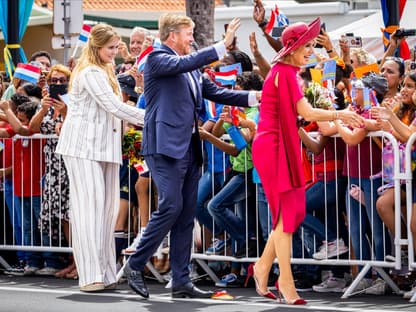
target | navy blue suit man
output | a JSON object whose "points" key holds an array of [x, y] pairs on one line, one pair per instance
{"points": [[174, 89]]}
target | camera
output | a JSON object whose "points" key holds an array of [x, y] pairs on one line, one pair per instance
{"points": [[400, 33], [413, 65], [277, 32], [353, 41]]}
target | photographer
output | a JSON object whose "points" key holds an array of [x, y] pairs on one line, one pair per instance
{"points": [[396, 40]]}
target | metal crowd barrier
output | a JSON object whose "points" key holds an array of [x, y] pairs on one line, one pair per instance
{"points": [[409, 206], [204, 260], [17, 210], [379, 266]]}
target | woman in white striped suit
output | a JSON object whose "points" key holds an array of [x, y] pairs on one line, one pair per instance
{"points": [[90, 143]]}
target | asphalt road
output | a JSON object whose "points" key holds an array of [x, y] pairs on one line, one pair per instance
{"points": [[34, 294]]}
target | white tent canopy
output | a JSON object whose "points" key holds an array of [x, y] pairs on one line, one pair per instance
{"points": [[369, 28]]}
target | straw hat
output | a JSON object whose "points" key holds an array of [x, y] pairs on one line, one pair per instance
{"points": [[298, 34]]}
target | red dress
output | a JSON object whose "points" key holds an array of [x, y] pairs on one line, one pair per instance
{"points": [[276, 148]]}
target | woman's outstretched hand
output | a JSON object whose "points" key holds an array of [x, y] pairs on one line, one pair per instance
{"points": [[351, 118]]}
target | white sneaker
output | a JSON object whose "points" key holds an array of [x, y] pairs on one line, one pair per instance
{"points": [[378, 287], [409, 294], [30, 270], [332, 284], [132, 248], [46, 271], [362, 285], [331, 249]]}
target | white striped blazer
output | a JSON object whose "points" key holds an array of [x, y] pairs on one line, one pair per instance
{"points": [[92, 127]]}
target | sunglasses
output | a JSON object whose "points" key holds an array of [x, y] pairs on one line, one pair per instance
{"points": [[395, 59], [60, 80]]}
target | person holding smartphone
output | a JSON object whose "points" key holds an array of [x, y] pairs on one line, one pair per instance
{"points": [[54, 215]]}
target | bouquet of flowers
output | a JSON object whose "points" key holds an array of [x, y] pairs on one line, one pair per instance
{"points": [[132, 143], [318, 96]]}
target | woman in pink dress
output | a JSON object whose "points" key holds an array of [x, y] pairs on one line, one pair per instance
{"points": [[277, 154]]}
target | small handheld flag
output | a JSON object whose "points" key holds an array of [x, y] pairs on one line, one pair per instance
{"points": [[142, 58], [27, 72], [212, 112], [366, 98], [236, 113], [226, 78], [141, 167], [329, 70], [236, 66], [83, 37], [85, 33], [313, 60], [277, 19], [316, 75]]}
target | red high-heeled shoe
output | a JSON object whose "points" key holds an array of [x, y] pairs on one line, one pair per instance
{"points": [[297, 301], [250, 274]]}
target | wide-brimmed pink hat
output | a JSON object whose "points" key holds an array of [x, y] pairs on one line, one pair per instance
{"points": [[298, 34]]}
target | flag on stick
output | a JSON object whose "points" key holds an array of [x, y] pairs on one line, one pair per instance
{"points": [[83, 37], [226, 78], [277, 19], [85, 33], [366, 98], [27, 72], [142, 58], [330, 67], [211, 109]]}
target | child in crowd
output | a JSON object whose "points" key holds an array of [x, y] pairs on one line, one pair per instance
{"points": [[28, 168]]}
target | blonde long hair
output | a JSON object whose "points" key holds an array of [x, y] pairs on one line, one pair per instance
{"points": [[100, 35]]}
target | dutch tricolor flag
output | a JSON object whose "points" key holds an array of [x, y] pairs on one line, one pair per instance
{"points": [[85, 33], [27, 72], [212, 112], [142, 58], [228, 78]]}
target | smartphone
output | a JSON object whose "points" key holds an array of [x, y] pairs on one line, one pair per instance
{"points": [[277, 32], [353, 41], [57, 89], [323, 28]]}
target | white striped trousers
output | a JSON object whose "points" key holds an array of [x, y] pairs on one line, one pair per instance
{"points": [[94, 201]]}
